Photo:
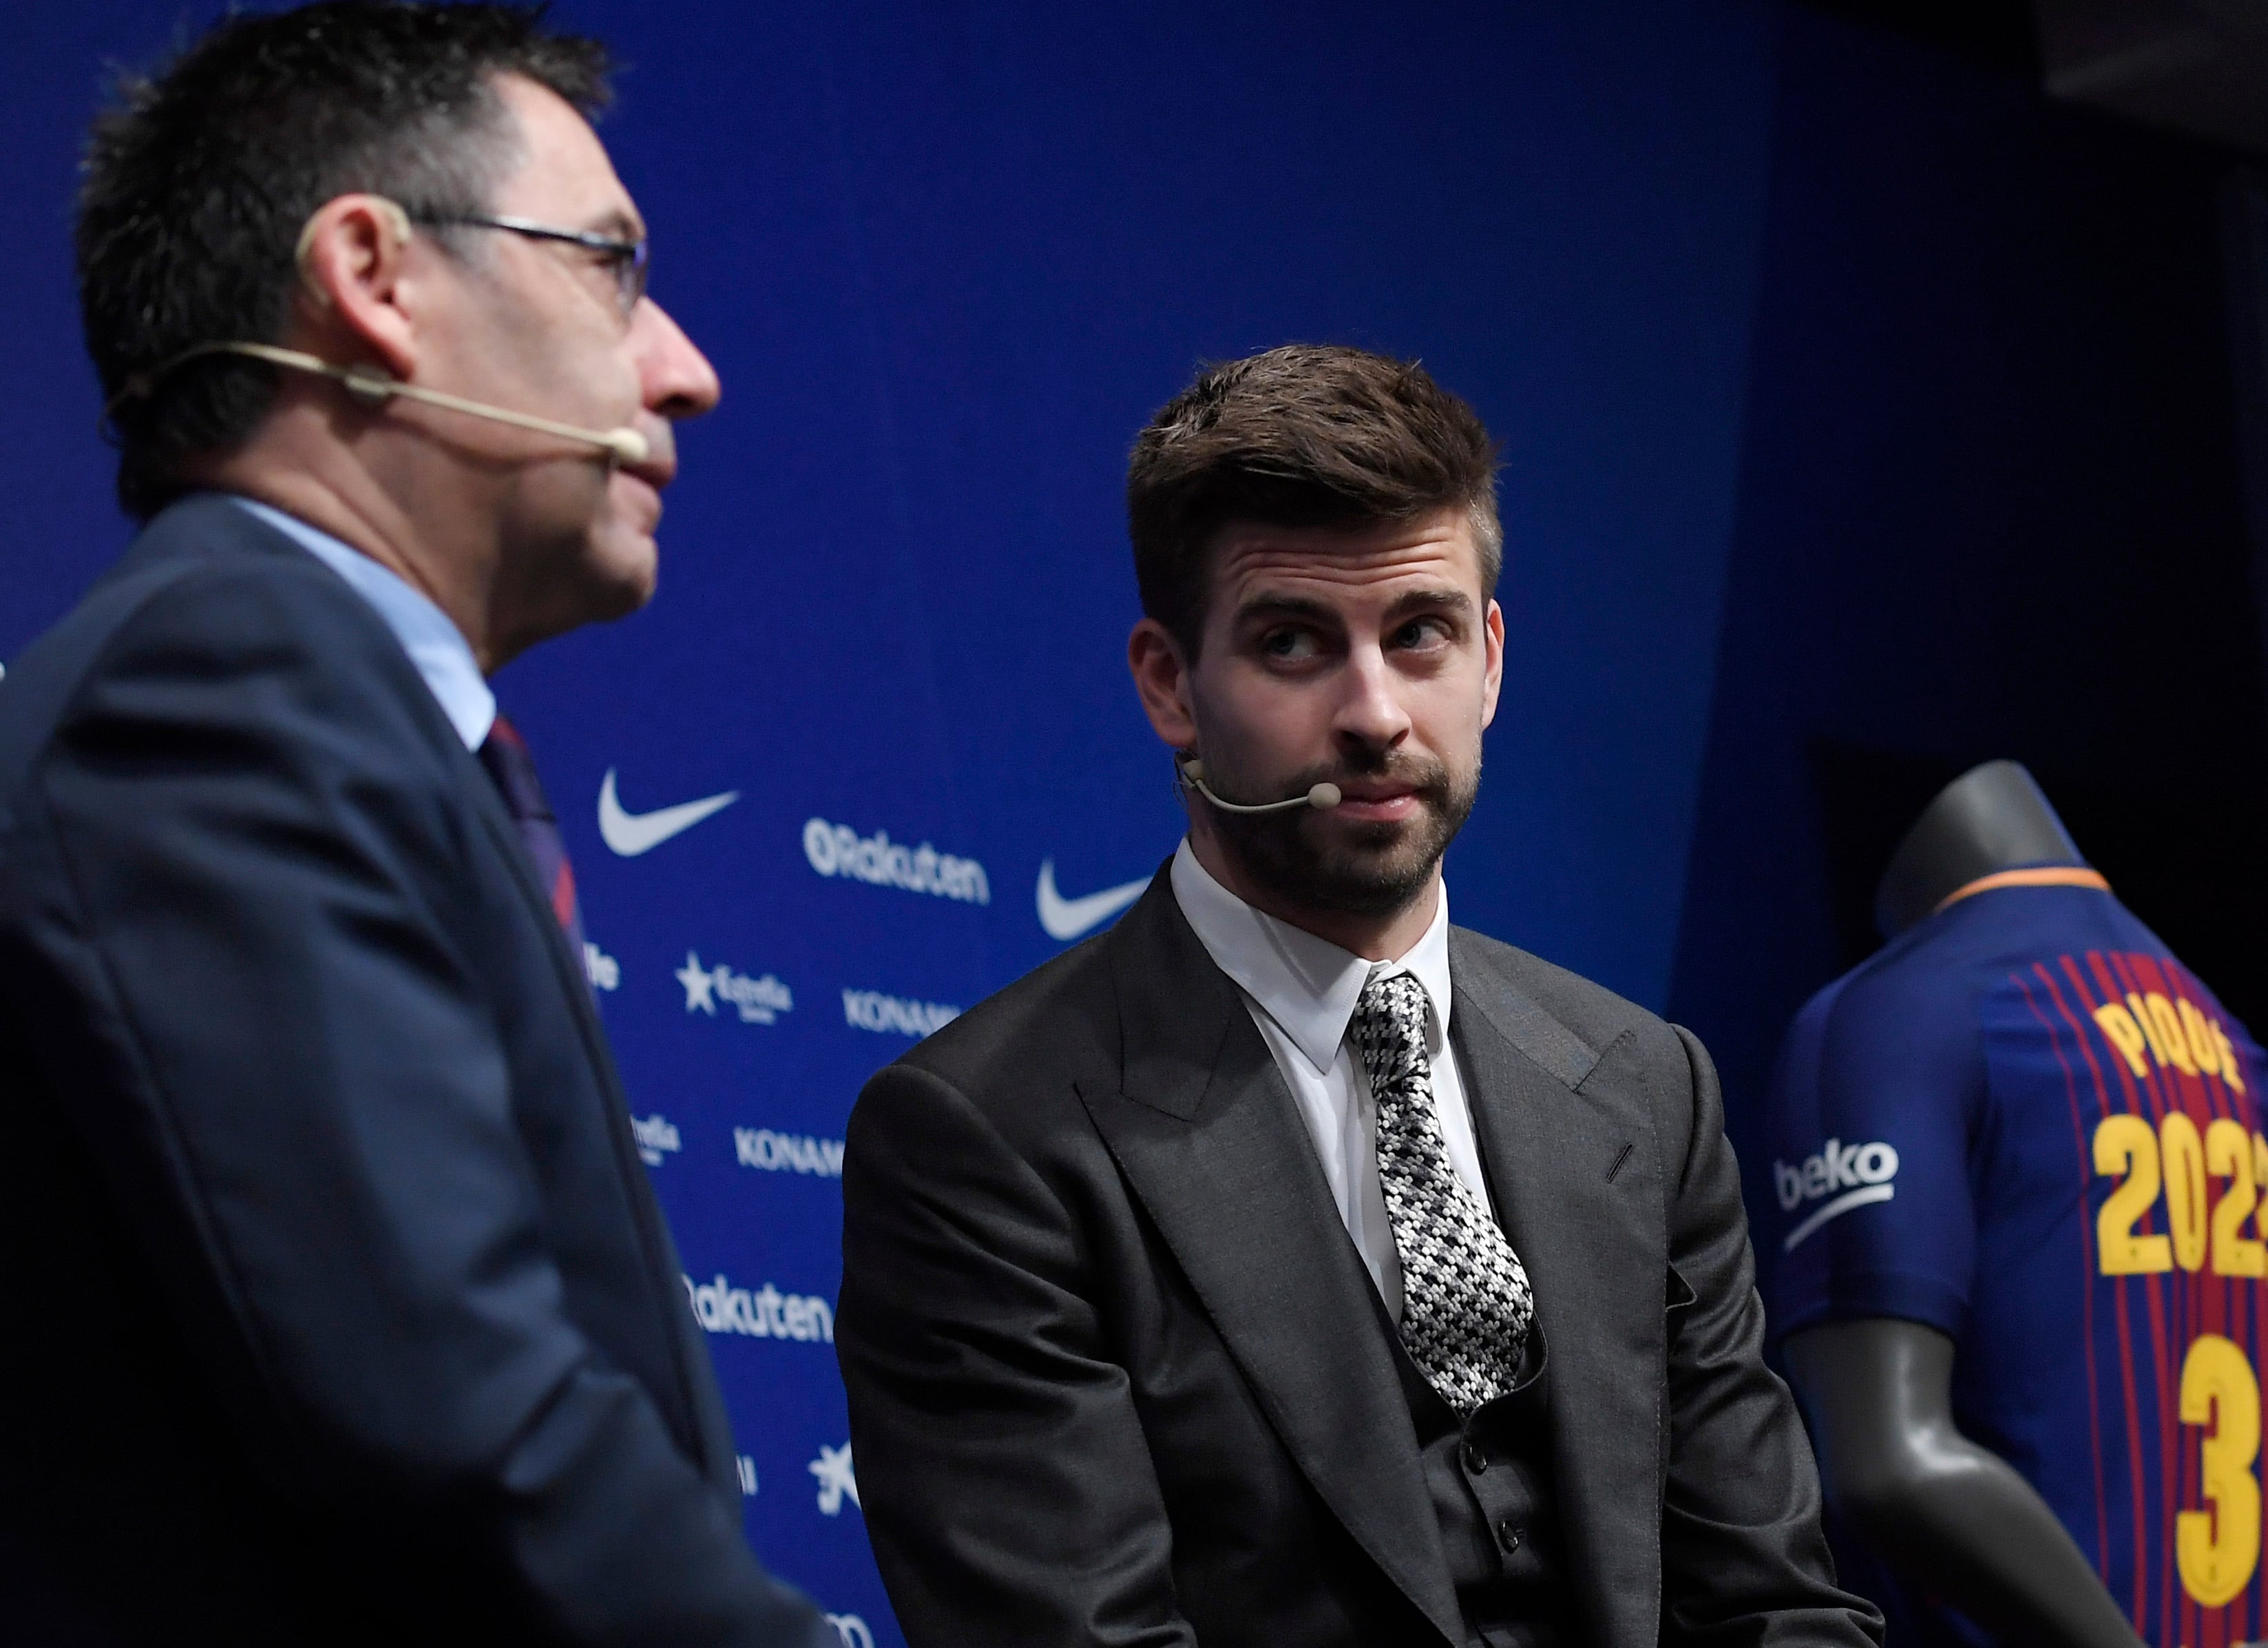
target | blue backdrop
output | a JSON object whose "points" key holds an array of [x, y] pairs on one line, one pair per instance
{"points": [[947, 258]]}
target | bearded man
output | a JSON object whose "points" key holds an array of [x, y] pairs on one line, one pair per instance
{"points": [[1287, 1266]]}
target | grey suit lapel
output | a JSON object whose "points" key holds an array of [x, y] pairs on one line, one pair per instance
{"points": [[1589, 1242], [1206, 1132]]}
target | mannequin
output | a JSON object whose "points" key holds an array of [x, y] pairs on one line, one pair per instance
{"points": [[1948, 1515]]}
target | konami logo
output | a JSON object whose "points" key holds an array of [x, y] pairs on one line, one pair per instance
{"points": [[894, 1015], [787, 1153]]}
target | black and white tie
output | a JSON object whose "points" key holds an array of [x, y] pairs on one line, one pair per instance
{"points": [[1465, 1299]]}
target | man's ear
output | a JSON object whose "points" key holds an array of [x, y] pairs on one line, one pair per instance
{"points": [[1492, 681], [1162, 680], [353, 255]]}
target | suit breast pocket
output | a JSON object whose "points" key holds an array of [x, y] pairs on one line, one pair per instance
{"points": [[1677, 1294]]}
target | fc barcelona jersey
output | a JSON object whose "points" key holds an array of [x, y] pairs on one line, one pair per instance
{"points": [[2026, 1124]]}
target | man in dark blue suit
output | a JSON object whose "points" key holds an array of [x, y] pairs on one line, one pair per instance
{"points": [[338, 1308]]}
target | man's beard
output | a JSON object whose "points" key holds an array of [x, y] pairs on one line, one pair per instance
{"points": [[1308, 860]]}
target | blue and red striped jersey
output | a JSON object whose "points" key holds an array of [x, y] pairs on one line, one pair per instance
{"points": [[2024, 1123]]}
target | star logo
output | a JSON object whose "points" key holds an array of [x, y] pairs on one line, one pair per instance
{"points": [[832, 1468], [700, 986]]}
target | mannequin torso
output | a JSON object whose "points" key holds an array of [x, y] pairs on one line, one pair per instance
{"points": [[1947, 1514]]}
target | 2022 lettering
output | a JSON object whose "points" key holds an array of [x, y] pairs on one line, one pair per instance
{"points": [[2176, 1155], [2216, 1547]]}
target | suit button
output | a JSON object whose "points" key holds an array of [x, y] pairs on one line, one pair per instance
{"points": [[1508, 1535], [1476, 1461]]}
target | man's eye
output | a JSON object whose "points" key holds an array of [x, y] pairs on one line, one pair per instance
{"points": [[1289, 645], [1421, 632]]}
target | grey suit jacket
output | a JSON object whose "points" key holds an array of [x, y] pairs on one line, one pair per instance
{"points": [[1117, 1373]]}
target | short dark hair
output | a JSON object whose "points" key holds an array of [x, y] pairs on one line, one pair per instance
{"points": [[1306, 435], [197, 183]]}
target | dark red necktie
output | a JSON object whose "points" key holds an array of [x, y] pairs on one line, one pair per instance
{"points": [[505, 755]]}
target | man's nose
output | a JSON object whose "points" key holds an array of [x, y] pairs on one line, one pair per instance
{"points": [[674, 378], [1370, 710]]}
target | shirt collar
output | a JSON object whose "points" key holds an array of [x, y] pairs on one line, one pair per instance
{"points": [[1308, 985], [435, 645]]}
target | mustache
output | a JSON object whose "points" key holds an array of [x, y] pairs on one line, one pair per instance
{"points": [[1426, 775]]}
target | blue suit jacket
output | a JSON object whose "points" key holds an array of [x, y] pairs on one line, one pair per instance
{"points": [[335, 1304]]}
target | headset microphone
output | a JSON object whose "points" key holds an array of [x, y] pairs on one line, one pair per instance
{"points": [[372, 387], [1323, 797]]}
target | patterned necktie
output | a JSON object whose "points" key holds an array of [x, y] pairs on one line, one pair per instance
{"points": [[505, 755], [1465, 1299]]}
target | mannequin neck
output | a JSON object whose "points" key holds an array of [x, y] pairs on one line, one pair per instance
{"points": [[1992, 817]]}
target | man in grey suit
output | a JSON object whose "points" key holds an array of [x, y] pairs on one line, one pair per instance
{"points": [[1287, 1266]]}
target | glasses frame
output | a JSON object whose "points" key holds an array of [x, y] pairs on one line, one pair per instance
{"points": [[628, 260]]}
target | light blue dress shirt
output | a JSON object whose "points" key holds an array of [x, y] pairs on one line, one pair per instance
{"points": [[443, 658]]}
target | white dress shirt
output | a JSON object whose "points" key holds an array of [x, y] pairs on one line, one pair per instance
{"points": [[443, 658], [1301, 991]]}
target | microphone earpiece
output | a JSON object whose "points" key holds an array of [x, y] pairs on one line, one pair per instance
{"points": [[372, 387], [1323, 797]]}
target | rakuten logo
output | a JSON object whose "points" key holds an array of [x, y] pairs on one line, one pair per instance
{"points": [[837, 849], [893, 1015], [766, 1313], [1856, 1175], [788, 1152]]}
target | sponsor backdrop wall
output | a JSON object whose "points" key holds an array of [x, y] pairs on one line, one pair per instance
{"points": [[871, 753]]}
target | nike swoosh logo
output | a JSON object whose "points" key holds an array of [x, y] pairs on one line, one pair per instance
{"points": [[1066, 919], [630, 833], [1836, 1208]]}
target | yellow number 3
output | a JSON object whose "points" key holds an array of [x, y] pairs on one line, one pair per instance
{"points": [[2217, 1550]]}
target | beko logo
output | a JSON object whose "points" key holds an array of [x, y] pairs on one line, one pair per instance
{"points": [[604, 972], [836, 849], [787, 1153], [760, 1000], [1862, 1173], [766, 1313], [894, 1015], [655, 1134]]}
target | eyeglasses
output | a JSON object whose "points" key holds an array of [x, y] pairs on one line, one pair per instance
{"points": [[624, 260]]}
